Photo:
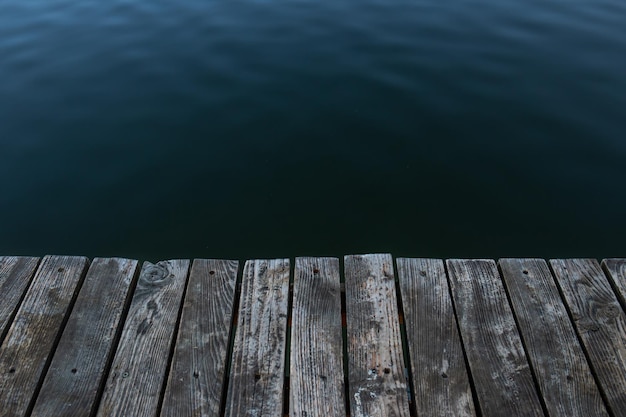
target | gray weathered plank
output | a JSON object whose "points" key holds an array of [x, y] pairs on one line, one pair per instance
{"points": [[499, 367], [31, 339], [197, 374], [76, 372], [564, 377], [616, 270], [317, 379], [438, 369], [258, 363], [16, 272], [376, 378], [600, 323], [139, 368]]}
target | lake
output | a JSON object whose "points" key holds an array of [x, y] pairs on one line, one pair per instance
{"points": [[279, 128]]}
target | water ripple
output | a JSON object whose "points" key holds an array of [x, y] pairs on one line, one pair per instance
{"points": [[445, 106]]}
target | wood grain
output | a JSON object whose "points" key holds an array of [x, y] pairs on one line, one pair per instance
{"points": [[197, 374], [376, 380], [139, 368], [16, 273], [32, 337], [77, 370], [600, 324], [317, 379], [438, 369], [499, 368], [616, 270], [258, 363], [563, 375]]}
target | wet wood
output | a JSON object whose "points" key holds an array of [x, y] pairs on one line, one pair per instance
{"points": [[498, 365], [33, 335], [562, 372], [317, 379], [139, 368], [438, 370], [197, 374], [16, 272], [600, 323], [376, 377], [258, 361], [78, 367]]}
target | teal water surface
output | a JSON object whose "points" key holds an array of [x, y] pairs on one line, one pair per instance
{"points": [[266, 128]]}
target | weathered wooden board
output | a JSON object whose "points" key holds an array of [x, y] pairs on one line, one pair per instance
{"points": [[499, 367], [600, 323], [564, 377], [376, 378], [15, 275], [438, 369], [77, 370], [139, 368], [258, 363], [197, 374], [316, 377], [616, 269], [32, 337]]}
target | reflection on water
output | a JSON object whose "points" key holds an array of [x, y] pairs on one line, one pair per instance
{"points": [[161, 129]]}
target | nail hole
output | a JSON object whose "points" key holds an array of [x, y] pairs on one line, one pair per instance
{"points": [[570, 378], [444, 375], [12, 370], [316, 271], [257, 377], [61, 270], [211, 272], [386, 370], [196, 374], [525, 272], [74, 370]]}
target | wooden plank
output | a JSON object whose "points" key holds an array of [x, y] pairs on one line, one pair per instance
{"points": [[438, 369], [616, 270], [32, 337], [16, 272], [258, 364], [77, 370], [317, 379], [196, 378], [375, 364], [600, 323], [139, 368], [562, 372], [499, 368]]}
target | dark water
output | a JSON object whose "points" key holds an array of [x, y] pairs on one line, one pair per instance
{"points": [[161, 129]]}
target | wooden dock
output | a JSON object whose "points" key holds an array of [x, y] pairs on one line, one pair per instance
{"points": [[367, 335]]}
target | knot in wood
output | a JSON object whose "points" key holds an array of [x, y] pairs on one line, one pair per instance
{"points": [[154, 277]]}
